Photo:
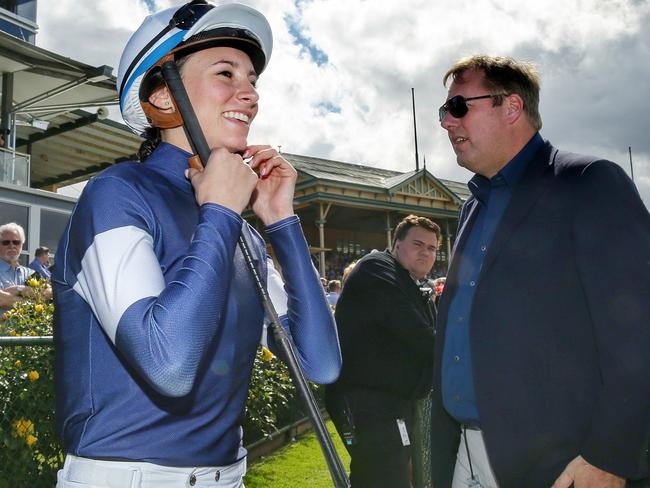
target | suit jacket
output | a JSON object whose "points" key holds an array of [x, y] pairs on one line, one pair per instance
{"points": [[386, 332], [560, 332]]}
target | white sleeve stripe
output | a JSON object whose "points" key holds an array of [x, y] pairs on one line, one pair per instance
{"points": [[279, 299], [118, 269]]}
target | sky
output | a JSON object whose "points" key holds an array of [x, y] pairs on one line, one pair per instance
{"points": [[339, 82]]}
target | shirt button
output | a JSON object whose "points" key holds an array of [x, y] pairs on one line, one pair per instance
{"points": [[457, 398], [472, 283], [483, 248], [456, 358], [192, 480], [460, 319]]}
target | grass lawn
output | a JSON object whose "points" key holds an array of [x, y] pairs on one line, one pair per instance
{"points": [[300, 464]]}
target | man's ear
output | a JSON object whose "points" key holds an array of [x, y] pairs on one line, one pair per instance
{"points": [[514, 107], [161, 99]]}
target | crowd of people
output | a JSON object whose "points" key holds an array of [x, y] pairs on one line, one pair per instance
{"points": [[537, 374]]}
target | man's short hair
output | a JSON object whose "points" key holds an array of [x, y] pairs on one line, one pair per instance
{"points": [[415, 221], [503, 75], [333, 285], [13, 227], [40, 251]]}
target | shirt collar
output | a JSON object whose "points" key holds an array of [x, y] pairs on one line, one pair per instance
{"points": [[5, 266], [509, 175], [170, 159]]}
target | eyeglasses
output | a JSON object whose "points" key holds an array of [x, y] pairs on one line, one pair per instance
{"points": [[457, 106], [184, 18], [7, 242]]}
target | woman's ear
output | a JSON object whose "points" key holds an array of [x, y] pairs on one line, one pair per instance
{"points": [[161, 99]]}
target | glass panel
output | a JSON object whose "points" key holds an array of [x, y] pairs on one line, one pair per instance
{"points": [[10, 212], [52, 226]]}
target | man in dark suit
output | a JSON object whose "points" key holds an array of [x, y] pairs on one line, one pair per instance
{"points": [[542, 369], [386, 330]]}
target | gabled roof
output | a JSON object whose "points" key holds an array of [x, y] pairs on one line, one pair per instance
{"points": [[338, 171], [356, 174]]}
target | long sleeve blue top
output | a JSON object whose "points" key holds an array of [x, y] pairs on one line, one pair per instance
{"points": [[157, 319]]}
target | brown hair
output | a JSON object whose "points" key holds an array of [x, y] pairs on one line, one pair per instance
{"points": [[504, 75], [414, 221]]}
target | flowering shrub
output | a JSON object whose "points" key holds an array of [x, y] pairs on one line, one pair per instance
{"points": [[268, 396], [29, 448]]}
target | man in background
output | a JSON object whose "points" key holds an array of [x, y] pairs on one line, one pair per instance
{"points": [[41, 262], [542, 375], [12, 238], [386, 331], [333, 292]]}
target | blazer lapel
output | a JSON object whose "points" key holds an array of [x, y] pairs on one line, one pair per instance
{"points": [[467, 217], [531, 187]]}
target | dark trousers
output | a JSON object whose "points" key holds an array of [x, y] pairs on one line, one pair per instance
{"points": [[379, 458]]}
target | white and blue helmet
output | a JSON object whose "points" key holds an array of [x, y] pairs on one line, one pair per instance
{"points": [[181, 28]]}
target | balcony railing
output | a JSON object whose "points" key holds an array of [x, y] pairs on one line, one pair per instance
{"points": [[14, 167]]}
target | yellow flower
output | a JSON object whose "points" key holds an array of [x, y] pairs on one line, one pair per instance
{"points": [[33, 375], [33, 282], [24, 427], [30, 440], [38, 308], [18, 363], [12, 333], [5, 316], [267, 355]]}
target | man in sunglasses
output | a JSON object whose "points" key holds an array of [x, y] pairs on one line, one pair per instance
{"points": [[541, 375], [12, 274], [12, 237]]}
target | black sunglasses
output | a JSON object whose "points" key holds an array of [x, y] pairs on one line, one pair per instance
{"points": [[457, 106], [7, 242], [184, 18]]}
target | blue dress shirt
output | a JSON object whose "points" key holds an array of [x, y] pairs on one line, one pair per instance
{"points": [[37, 266], [493, 196], [10, 276]]}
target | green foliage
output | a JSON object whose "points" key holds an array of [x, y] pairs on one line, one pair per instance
{"points": [[269, 396], [29, 448]]}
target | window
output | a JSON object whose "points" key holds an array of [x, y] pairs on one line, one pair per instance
{"points": [[8, 5], [11, 212], [52, 226]]}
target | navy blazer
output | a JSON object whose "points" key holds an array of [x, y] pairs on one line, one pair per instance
{"points": [[560, 327]]}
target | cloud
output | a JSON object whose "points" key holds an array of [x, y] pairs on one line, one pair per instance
{"points": [[340, 78]]}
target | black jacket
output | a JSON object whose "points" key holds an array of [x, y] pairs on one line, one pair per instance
{"points": [[386, 330]]}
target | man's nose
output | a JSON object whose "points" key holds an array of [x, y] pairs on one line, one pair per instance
{"points": [[449, 121]]}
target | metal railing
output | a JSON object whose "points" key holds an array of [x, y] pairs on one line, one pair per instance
{"points": [[14, 167]]}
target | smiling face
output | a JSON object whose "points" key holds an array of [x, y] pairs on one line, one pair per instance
{"points": [[220, 82], [480, 138], [417, 251], [10, 252]]}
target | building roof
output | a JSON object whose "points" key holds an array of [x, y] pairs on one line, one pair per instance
{"points": [[357, 174], [44, 91]]}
